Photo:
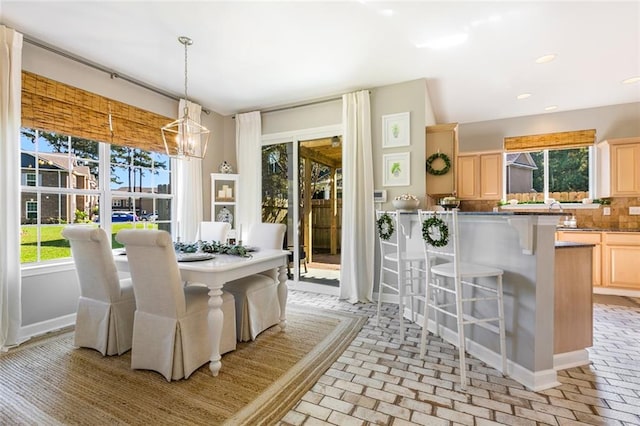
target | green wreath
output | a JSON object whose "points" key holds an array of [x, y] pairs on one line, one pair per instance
{"points": [[442, 171], [443, 229], [385, 227]]}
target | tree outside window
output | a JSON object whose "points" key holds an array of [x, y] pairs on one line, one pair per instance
{"points": [[561, 174]]}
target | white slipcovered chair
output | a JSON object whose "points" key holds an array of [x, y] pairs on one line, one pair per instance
{"points": [[214, 231], [170, 331], [257, 304], [104, 320]]}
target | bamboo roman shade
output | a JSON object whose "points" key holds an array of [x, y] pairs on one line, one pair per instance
{"points": [[573, 139], [56, 107]]}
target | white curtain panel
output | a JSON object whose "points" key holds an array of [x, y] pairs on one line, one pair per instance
{"points": [[249, 160], [10, 98], [189, 195], [358, 238]]}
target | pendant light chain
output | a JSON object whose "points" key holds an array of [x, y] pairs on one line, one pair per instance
{"points": [[186, 41]]}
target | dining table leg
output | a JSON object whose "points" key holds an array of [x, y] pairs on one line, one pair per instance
{"points": [[282, 295], [215, 318]]}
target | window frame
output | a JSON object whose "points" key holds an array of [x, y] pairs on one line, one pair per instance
{"points": [[103, 194], [545, 194]]}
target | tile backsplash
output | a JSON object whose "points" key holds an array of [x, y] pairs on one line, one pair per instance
{"points": [[586, 218]]}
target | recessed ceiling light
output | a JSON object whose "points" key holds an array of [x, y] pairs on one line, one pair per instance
{"points": [[631, 80], [445, 42], [386, 12], [523, 95], [546, 58], [551, 108]]}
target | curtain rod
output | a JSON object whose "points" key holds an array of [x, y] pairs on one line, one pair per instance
{"points": [[284, 108], [112, 74]]}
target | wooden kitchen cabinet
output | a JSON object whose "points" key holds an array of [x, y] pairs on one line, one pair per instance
{"points": [[619, 167], [615, 257], [622, 254], [442, 138], [573, 300], [479, 176], [588, 237]]}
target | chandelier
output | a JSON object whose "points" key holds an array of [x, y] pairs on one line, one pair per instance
{"points": [[185, 137]]}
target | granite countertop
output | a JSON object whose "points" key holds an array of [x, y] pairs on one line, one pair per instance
{"points": [[565, 244], [500, 213]]}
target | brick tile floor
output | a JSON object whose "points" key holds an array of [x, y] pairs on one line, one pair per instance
{"points": [[382, 380]]}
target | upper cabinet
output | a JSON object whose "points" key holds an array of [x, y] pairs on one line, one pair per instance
{"points": [[443, 139], [619, 168], [479, 176]]}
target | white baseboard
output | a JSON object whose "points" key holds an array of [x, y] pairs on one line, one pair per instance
{"points": [[40, 328], [570, 359], [535, 381]]}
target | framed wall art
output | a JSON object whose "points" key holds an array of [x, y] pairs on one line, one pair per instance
{"points": [[397, 170], [395, 130]]}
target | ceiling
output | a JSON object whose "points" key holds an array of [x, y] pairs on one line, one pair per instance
{"points": [[258, 55]]}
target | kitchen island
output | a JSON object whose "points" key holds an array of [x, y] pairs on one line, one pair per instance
{"points": [[523, 246]]}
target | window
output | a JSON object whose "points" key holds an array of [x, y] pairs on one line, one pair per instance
{"points": [[65, 182], [561, 174], [30, 179], [31, 208]]}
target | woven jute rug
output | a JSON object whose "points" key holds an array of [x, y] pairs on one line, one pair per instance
{"points": [[51, 382]]}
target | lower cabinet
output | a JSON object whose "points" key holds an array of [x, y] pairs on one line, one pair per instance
{"points": [[622, 251], [615, 257], [589, 238], [573, 308]]}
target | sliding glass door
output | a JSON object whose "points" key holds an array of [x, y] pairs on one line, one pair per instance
{"points": [[280, 197], [302, 188]]}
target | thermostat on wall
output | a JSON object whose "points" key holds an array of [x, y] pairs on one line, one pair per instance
{"points": [[380, 195]]}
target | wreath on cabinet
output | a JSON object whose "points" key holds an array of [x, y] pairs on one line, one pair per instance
{"points": [[438, 172], [385, 227], [441, 229]]}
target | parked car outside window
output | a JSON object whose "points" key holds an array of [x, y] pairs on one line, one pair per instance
{"points": [[123, 217], [152, 217]]}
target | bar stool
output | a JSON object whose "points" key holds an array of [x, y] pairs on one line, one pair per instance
{"points": [[456, 289], [401, 272]]}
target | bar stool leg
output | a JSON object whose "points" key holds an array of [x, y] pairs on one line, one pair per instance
{"points": [[503, 342], [461, 338]]}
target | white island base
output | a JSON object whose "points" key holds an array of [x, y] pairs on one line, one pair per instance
{"points": [[523, 245]]}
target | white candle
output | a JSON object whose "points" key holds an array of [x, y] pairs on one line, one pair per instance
{"points": [[221, 193], [229, 192], [240, 233]]}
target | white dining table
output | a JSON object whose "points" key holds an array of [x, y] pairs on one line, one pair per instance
{"points": [[223, 269]]}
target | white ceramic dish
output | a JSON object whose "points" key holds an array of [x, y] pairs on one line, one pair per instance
{"points": [[193, 257]]}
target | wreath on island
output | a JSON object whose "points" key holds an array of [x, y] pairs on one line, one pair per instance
{"points": [[438, 172], [385, 227], [442, 230]]}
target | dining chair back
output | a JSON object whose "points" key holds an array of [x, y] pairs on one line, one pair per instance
{"points": [[170, 332], [256, 296], [104, 319], [214, 231], [470, 293]]}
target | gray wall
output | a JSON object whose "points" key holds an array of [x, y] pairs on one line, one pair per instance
{"points": [[409, 97], [614, 121]]}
